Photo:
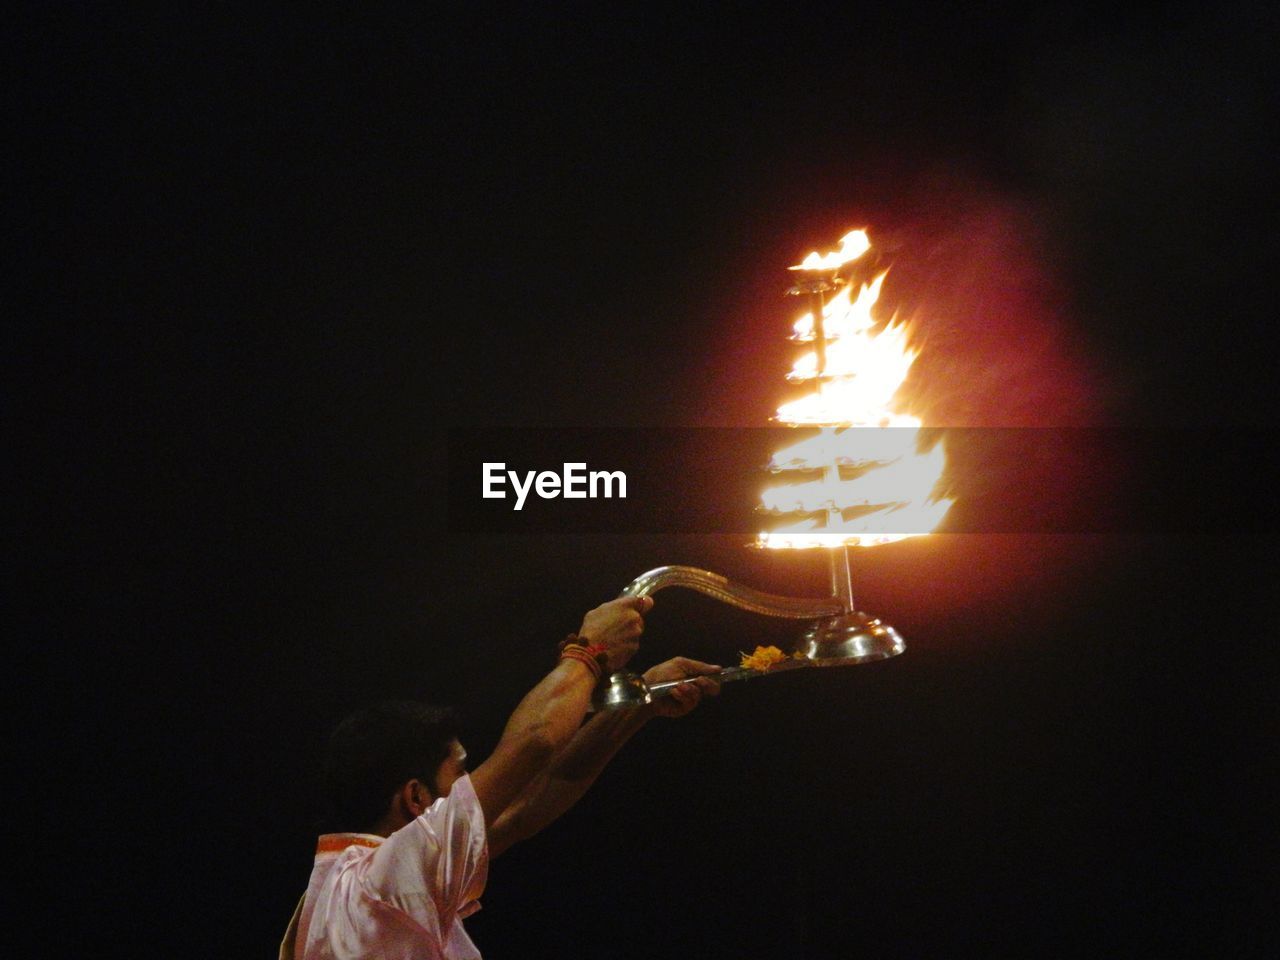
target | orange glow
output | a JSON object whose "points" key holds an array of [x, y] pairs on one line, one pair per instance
{"points": [[875, 485]]}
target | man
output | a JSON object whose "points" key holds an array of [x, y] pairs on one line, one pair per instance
{"points": [[399, 886]]}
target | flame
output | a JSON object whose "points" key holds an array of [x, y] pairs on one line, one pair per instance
{"points": [[843, 317], [908, 479], [852, 245], [875, 480]]}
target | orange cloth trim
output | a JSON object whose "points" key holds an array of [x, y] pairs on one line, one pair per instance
{"points": [[337, 842]]}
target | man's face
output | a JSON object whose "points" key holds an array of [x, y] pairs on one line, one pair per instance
{"points": [[453, 767]]}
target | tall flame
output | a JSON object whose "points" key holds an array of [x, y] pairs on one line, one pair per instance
{"points": [[852, 245], [874, 483]]}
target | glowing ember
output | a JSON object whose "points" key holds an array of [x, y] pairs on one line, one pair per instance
{"points": [[873, 483]]}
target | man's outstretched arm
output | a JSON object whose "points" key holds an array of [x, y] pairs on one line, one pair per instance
{"points": [[576, 767], [549, 715]]}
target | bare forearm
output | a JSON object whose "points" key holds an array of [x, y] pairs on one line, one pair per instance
{"points": [[569, 776], [550, 714], [595, 744], [552, 711], [539, 728]]}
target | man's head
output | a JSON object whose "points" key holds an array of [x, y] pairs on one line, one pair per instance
{"points": [[386, 763]]}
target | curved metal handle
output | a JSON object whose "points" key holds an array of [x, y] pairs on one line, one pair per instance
{"points": [[723, 589]]}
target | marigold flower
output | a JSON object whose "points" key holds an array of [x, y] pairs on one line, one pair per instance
{"points": [[762, 658]]}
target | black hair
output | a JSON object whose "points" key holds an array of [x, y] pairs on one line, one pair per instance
{"points": [[375, 751]]}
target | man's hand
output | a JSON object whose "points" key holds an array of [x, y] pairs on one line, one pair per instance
{"points": [[686, 696], [617, 625]]}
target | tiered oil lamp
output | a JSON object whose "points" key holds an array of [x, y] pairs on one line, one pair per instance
{"points": [[861, 480]]}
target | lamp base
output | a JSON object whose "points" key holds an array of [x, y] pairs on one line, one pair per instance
{"points": [[849, 638]]}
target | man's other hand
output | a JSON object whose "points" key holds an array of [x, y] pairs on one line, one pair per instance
{"points": [[686, 696]]}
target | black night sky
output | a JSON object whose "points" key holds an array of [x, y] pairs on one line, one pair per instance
{"points": [[265, 261]]}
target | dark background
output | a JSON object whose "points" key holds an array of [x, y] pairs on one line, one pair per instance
{"points": [[263, 261]]}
